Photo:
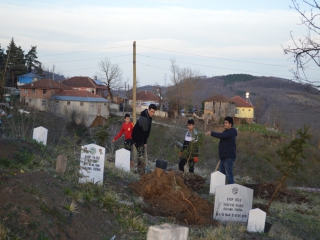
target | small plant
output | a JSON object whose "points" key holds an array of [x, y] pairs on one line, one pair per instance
{"points": [[71, 208], [4, 232], [290, 159]]}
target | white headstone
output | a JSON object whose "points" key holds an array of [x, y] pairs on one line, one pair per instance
{"points": [[92, 164], [123, 159], [257, 220], [232, 203], [217, 179], [40, 134], [167, 232]]}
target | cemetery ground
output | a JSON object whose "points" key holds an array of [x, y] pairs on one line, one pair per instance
{"points": [[38, 203]]}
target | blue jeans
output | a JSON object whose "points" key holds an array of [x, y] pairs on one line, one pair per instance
{"points": [[226, 166]]}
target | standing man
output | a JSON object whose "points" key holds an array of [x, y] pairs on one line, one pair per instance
{"points": [[227, 148], [140, 135]]}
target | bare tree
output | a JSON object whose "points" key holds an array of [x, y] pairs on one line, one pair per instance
{"points": [[306, 53], [183, 85], [112, 74]]}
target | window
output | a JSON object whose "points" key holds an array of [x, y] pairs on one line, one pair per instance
{"points": [[237, 111], [57, 101], [33, 91], [44, 103], [44, 91], [68, 103], [105, 104], [26, 91], [30, 100], [242, 109], [81, 103], [249, 110]]}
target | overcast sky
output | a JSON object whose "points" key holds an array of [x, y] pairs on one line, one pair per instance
{"points": [[213, 37]]}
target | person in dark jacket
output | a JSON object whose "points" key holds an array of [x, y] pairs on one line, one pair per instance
{"points": [[227, 148], [189, 150], [140, 135]]}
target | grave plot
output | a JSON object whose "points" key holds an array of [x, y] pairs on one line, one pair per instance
{"points": [[166, 195]]}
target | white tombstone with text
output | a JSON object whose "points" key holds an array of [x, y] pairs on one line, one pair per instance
{"points": [[232, 203], [40, 134], [167, 232], [92, 164], [256, 221], [217, 179], [123, 159]]}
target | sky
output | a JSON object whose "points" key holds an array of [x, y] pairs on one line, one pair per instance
{"points": [[211, 37]]}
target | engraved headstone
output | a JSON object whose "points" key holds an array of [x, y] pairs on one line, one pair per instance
{"points": [[167, 232], [123, 159], [92, 164], [217, 179], [61, 165], [232, 203], [40, 134], [256, 221]]}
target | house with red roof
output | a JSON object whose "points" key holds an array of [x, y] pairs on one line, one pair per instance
{"points": [[244, 110], [87, 84], [218, 107], [37, 94], [80, 106], [145, 97]]}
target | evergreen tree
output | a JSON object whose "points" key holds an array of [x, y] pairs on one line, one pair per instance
{"points": [[32, 63], [16, 63]]}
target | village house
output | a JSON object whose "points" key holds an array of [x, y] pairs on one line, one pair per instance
{"points": [[244, 110], [218, 107], [145, 97], [87, 84], [28, 78], [48, 95], [37, 94]]}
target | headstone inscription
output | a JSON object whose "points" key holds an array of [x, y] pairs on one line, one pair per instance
{"points": [[123, 159], [92, 164], [167, 232], [217, 179], [61, 165], [40, 134], [232, 203], [257, 220]]}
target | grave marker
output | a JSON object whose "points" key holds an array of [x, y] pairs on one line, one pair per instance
{"points": [[217, 179], [61, 165], [123, 159], [256, 221], [92, 164], [167, 232], [40, 134], [232, 203]]}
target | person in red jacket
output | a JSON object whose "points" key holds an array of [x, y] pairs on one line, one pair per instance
{"points": [[126, 129]]}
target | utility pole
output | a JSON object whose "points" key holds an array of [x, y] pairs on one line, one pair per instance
{"points": [[53, 72], [134, 86]]}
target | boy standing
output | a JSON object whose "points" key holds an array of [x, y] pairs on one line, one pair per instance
{"points": [[126, 129], [189, 150]]}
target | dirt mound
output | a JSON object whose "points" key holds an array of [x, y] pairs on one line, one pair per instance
{"points": [[167, 196], [265, 191], [191, 180]]}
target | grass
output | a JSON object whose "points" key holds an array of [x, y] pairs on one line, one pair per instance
{"points": [[254, 143]]}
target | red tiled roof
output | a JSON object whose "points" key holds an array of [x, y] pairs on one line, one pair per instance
{"points": [[82, 82], [146, 95], [218, 98], [240, 102], [76, 93], [45, 84]]}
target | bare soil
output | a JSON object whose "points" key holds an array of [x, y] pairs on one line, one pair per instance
{"points": [[167, 195]]}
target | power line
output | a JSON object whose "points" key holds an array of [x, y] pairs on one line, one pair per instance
{"points": [[217, 68], [225, 59]]}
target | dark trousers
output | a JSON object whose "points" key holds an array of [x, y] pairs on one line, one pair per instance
{"points": [[140, 151], [128, 144], [183, 162]]}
